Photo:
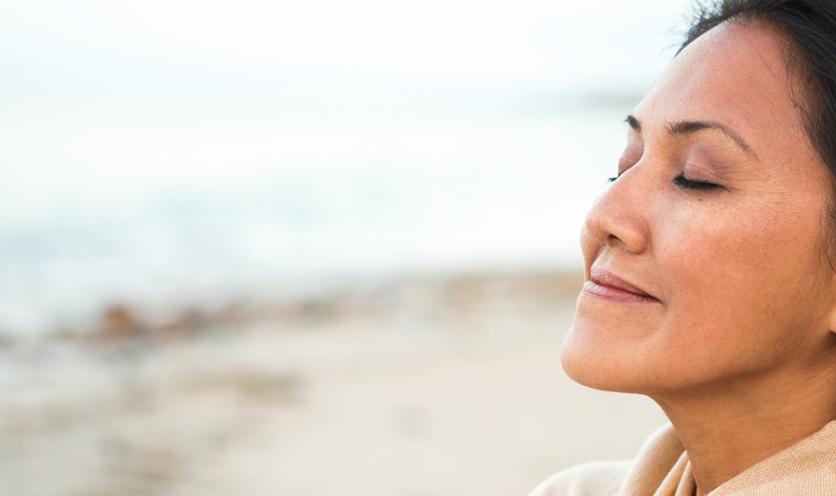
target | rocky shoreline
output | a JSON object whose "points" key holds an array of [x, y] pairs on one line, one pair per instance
{"points": [[455, 296]]}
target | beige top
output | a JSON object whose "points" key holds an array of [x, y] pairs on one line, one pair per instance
{"points": [[662, 468]]}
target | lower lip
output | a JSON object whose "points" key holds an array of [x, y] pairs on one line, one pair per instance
{"points": [[614, 294]]}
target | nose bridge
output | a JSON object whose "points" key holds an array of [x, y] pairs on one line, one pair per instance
{"points": [[619, 215]]}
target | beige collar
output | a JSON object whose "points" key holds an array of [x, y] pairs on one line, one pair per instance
{"points": [[662, 468]]}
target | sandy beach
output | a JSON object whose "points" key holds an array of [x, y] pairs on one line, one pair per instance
{"points": [[420, 386]]}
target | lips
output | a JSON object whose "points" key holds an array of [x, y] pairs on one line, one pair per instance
{"points": [[608, 279]]}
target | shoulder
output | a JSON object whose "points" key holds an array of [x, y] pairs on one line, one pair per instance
{"points": [[808, 467], [589, 479]]}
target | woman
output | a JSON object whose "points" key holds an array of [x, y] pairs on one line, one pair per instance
{"points": [[709, 263]]}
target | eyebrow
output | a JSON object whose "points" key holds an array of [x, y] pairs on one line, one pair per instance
{"points": [[683, 128]]}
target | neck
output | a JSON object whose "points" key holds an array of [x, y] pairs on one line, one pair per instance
{"points": [[727, 430]]}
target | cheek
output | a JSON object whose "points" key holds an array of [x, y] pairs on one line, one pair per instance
{"points": [[731, 278], [737, 246]]}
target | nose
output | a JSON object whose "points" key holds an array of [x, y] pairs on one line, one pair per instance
{"points": [[618, 218]]}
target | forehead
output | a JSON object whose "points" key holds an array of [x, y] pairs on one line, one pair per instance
{"points": [[735, 74]]}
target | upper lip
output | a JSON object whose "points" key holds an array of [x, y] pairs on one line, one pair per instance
{"points": [[606, 278]]}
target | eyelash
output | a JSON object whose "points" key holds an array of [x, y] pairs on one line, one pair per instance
{"points": [[682, 182]]}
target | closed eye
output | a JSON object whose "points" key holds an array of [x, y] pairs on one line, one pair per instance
{"points": [[682, 182], [686, 183], [611, 179]]}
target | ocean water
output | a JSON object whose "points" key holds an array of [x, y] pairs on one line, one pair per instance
{"points": [[502, 195], [152, 168]]}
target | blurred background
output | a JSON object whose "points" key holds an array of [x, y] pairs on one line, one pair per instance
{"points": [[307, 248]]}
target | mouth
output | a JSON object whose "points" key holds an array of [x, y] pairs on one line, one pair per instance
{"points": [[606, 285]]}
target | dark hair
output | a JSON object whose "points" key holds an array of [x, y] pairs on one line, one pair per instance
{"points": [[810, 28]]}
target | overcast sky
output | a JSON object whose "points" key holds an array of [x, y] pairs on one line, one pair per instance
{"points": [[111, 91], [67, 56]]}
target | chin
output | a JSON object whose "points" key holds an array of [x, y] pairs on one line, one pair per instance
{"points": [[599, 363]]}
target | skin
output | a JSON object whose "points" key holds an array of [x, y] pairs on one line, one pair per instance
{"points": [[740, 349]]}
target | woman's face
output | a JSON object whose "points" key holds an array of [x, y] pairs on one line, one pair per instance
{"points": [[736, 270]]}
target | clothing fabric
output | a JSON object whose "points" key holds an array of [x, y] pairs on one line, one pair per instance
{"points": [[662, 468]]}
